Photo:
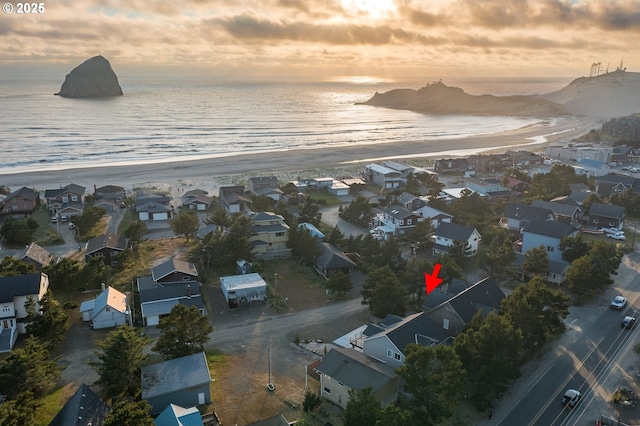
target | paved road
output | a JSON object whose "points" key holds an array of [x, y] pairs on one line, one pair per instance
{"points": [[330, 217], [592, 357]]}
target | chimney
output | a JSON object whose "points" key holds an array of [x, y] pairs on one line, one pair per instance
{"points": [[188, 291]]}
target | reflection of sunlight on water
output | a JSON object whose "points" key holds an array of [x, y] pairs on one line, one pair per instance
{"points": [[361, 79]]}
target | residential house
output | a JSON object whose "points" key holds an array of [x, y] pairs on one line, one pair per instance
{"points": [[382, 176], [344, 369], [594, 167], [556, 273], [109, 309], [449, 195], [339, 189], [332, 260], [434, 215], [21, 201], [107, 246], [15, 290], [310, 227], [183, 381], [390, 344], [607, 216], [548, 234], [524, 158], [36, 256], [623, 154], [197, 199], [84, 408], [153, 206], [406, 170], [269, 235], [516, 186], [517, 215], [449, 234], [567, 213], [175, 415], [456, 312], [233, 199], [244, 289], [459, 166], [174, 271], [67, 200], [394, 221], [616, 184], [489, 163], [265, 186], [488, 188], [410, 201], [108, 197]]}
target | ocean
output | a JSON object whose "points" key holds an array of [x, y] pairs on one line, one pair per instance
{"points": [[163, 120]]}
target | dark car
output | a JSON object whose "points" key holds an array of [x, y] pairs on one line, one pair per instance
{"points": [[628, 322], [571, 398]]}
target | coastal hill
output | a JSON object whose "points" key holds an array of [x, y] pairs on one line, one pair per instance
{"points": [[94, 78], [438, 98], [608, 95]]}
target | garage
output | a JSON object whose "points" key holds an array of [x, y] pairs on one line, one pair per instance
{"points": [[143, 215], [160, 216]]}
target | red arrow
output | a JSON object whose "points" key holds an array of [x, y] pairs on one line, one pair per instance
{"points": [[432, 281]]}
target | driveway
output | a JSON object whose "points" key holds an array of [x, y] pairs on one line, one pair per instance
{"points": [[330, 216]]}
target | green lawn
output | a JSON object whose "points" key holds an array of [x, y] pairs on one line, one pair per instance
{"points": [[324, 198]]}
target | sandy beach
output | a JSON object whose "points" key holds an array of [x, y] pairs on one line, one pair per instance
{"points": [[209, 173]]}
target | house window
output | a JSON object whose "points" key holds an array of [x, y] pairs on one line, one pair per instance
{"points": [[6, 309], [549, 248], [408, 221], [65, 199], [279, 234], [186, 278], [389, 353], [326, 389], [74, 198], [396, 356], [340, 384], [445, 324]]}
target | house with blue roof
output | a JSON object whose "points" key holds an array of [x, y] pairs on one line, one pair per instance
{"points": [[175, 415], [594, 167]]}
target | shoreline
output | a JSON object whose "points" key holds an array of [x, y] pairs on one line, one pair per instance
{"points": [[206, 170]]}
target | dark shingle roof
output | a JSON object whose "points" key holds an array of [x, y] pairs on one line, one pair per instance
{"points": [[24, 192], [111, 241], [453, 231], [557, 208], [410, 330], [172, 291], [485, 295], [549, 228], [524, 211], [173, 265], [355, 370], [83, 408], [19, 285], [331, 257], [607, 210], [175, 375]]}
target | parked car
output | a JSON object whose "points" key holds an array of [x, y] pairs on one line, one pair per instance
{"points": [[64, 218], [54, 219], [71, 225], [619, 236], [628, 322], [571, 397], [618, 302], [612, 230]]}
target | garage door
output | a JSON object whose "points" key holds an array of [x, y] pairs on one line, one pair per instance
{"points": [[143, 215], [160, 216], [155, 320]]}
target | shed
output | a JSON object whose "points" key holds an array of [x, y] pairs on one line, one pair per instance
{"points": [[243, 289], [109, 309], [182, 381]]}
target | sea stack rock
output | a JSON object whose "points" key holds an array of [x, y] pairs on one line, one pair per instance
{"points": [[94, 78]]}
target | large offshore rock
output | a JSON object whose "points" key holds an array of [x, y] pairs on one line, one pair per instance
{"points": [[94, 78]]}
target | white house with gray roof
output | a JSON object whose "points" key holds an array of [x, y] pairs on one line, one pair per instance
{"points": [[449, 234], [108, 310], [245, 289], [382, 176], [183, 381], [548, 234], [344, 369]]}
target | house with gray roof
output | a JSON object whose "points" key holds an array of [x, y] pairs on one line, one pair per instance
{"points": [[384, 177], [434, 215], [616, 184], [183, 381], [332, 260], [344, 369], [517, 215], [269, 236], [107, 246], [15, 290], [233, 199], [265, 186], [455, 313], [197, 199], [109, 309], [174, 271], [563, 212], [36, 256], [108, 197], [556, 273], [547, 234], [410, 201], [606, 216], [84, 408], [67, 200], [244, 289], [395, 220], [21, 201], [449, 234]]}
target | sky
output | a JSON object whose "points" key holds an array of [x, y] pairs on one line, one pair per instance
{"points": [[358, 40]]}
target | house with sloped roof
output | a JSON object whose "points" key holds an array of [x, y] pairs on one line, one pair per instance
{"points": [[269, 235], [107, 246], [448, 235], [243, 289], [517, 215], [175, 415], [382, 176], [395, 220], [233, 199], [456, 312], [15, 291], [174, 271], [277, 420], [410, 201], [607, 216], [556, 272], [594, 167], [434, 215], [332, 260], [67, 200], [36, 256], [108, 197], [459, 166], [311, 228], [22, 201], [109, 309], [265, 186], [548, 234], [197, 199], [84, 408], [183, 381], [153, 206], [488, 188], [345, 369], [568, 213], [616, 184]]}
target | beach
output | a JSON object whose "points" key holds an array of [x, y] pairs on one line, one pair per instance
{"points": [[210, 173]]}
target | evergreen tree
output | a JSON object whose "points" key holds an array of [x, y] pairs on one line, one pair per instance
{"points": [[384, 293], [339, 283], [574, 247], [186, 223], [536, 262], [134, 413], [120, 361], [50, 323], [183, 332], [362, 408], [500, 256], [20, 411], [10, 266], [135, 231]]}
